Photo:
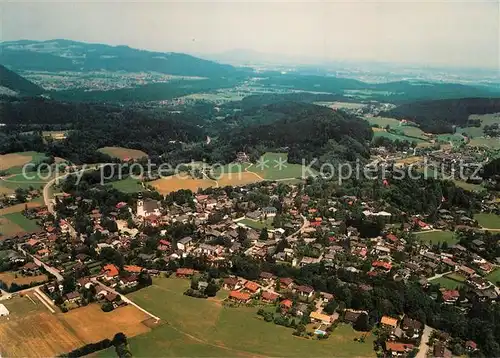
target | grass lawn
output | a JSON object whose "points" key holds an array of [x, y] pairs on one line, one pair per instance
{"points": [[13, 182], [273, 170], [494, 276], [255, 224], [487, 220], [469, 186], [20, 220], [447, 283], [197, 327], [15, 166], [485, 142], [128, 185], [437, 236], [456, 277]]}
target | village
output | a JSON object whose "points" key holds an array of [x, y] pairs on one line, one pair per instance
{"points": [[101, 253]]}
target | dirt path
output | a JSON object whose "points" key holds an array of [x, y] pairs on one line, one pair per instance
{"points": [[423, 348], [257, 175]]}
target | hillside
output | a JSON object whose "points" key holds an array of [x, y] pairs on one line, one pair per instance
{"points": [[19, 85], [440, 115], [393, 92], [307, 131], [65, 55]]}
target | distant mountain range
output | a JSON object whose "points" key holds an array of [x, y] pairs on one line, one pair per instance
{"points": [[12, 84], [66, 55]]}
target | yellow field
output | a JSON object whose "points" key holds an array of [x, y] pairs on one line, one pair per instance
{"points": [[123, 153], [10, 277], [8, 161], [174, 183], [31, 331], [8, 228], [91, 324]]}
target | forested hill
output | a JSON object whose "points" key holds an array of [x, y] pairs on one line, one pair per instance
{"points": [[65, 55], [439, 116], [16, 83], [307, 131]]}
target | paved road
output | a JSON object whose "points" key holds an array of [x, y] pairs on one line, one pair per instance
{"points": [[423, 348], [124, 298], [439, 275], [305, 224], [50, 269]]}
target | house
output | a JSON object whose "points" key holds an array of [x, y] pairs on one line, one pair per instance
{"points": [[267, 277], [133, 268], [72, 297], [286, 304], [320, 317], [185, 243], [84, 282], [129, 281], [471, 346], [351, 316], [185, 272], [440, 351], [111, 297], [111, 271], [387, 266], [286, 283], [397, 348], [252, 287], [241, 297], [389, 322], [305, 291], [163, 245], [450, 296], [411, 327], [29, 268], [269, 297], [231, 283]]}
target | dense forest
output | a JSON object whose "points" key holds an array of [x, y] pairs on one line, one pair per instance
{"points": [[440, 116], [14, 82], [304, 130]]}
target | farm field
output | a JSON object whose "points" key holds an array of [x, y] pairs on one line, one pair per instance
{"points": [[20, 207], [485, 142], [55, 135], [128, 185], [25, 223], [174, 183], [12, 162], [123, 153], [10, 183], [490, 221], [341, 105], [10, 277], [272, 170], [447, 283], [486, 119], [437, 237], [226, 331], [91, 324], [31, 331]]}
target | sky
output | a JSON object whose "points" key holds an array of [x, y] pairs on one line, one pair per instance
{"points": [[440, 32]]}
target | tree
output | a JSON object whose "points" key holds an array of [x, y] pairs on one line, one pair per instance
{"points": [[264, 235], [362, 324], [211, 289]]}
